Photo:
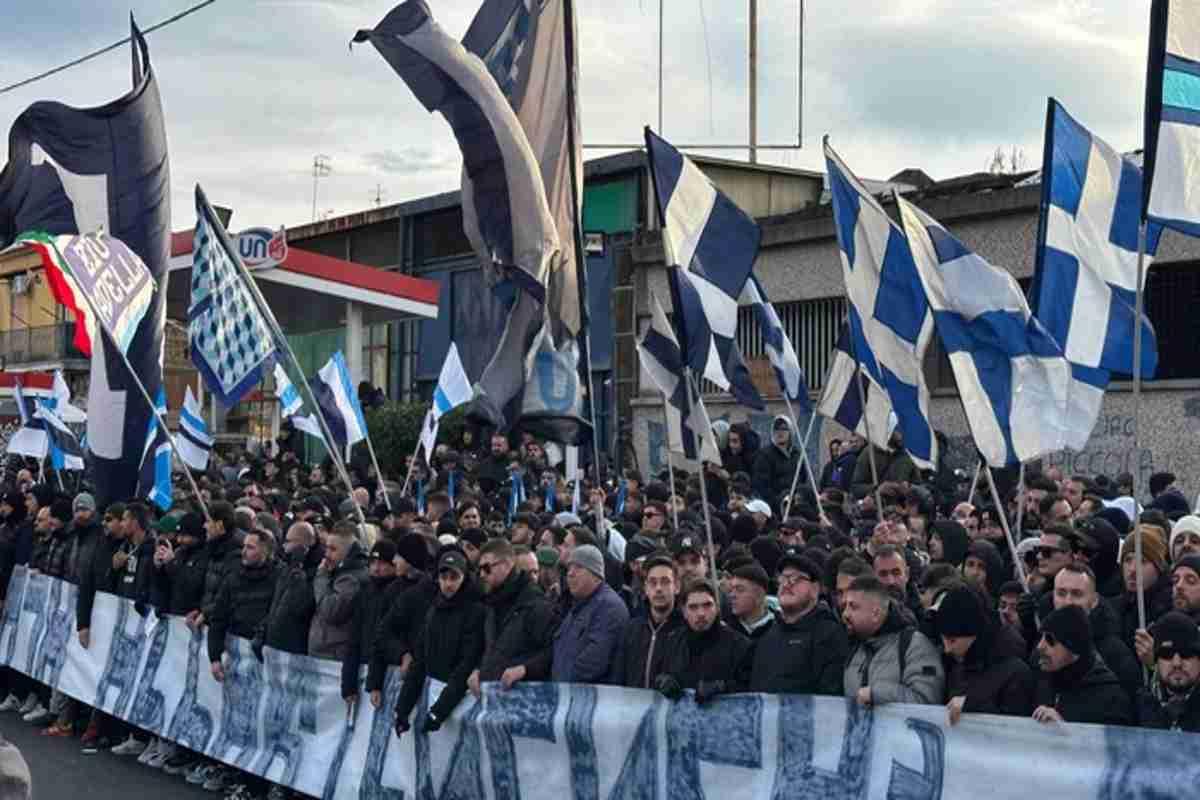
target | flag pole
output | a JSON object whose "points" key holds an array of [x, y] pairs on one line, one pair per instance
{"points": [[1139, 306], [866, 419], [378, 472], [712, 557], [411, 465], [670, 466], [1012, 546], [804, 460], [975, 482], [1020, 499]]}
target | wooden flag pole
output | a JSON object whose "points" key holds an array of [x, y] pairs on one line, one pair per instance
{"points": [[378, 472], [1139, 306], [803, 462]]}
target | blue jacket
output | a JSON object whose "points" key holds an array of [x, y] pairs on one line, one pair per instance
{"points": [[586, 642]]}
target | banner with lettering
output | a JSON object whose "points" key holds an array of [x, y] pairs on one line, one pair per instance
{"points": [[284, 719]]}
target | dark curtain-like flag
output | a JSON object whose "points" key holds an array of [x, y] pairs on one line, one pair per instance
{"points": [[79, 170]]}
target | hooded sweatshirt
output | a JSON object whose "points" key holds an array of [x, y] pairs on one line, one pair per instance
{"points": [[775, 467]]}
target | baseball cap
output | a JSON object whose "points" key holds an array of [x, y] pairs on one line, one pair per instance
{"points": [[453, 559], [758, 507]]}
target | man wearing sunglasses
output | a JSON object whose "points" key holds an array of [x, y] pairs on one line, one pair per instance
{"points": [[1073, 682], [1172, 702]]}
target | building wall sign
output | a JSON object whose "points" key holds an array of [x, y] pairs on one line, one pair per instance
{"points": [[262, 248]]}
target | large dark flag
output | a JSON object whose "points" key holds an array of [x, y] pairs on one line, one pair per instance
{"points": [[81, 170]]}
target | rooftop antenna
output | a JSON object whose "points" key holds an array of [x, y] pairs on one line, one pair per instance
{"points": [[378, 195], [320, 169]]}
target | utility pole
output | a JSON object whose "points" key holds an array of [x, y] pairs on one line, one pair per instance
{"points": [[320, 169], [753, 81], [378, 195]]}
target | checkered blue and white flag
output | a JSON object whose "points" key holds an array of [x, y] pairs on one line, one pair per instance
{"points": [[1015, 384], [890, 321], [1085, 278], [231, 342]]}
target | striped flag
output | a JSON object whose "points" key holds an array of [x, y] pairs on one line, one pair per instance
{"points": [[336, 396], [841, 401], [30, 439], [66, 453], [778, 346], [61, 394], [154, 477], [1172, 136], [453, 388], [193, 440], [290, 404]]}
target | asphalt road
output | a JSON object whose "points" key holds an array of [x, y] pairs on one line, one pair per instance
{"points": [[61, 772]]}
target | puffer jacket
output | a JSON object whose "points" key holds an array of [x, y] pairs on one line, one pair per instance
{"points": [[876, 663], [717, 654], [405, 607], [1116, 654], [224, 558], [241, 605], [292, 607], [368, 609], [335, 593], [449, 650], [805, 657], [84, 540], [52, 554], [774, 469], [519, 630], [95, 575]]}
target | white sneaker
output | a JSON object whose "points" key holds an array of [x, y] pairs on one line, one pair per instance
{"points": [[165, 751], [11, 703], [199, 773], [31, 702], [150, 751], [129, 747], [37, 714]]}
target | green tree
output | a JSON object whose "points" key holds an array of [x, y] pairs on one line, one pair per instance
{"points": [[395, 428]]}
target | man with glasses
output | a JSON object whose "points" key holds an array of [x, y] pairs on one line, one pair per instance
{"points": [[805, 651], [1073, 683], [654, 518], [1053, 553], [1172, 702]]}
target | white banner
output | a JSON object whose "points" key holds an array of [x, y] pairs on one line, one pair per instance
{"points": [[284, 720]]}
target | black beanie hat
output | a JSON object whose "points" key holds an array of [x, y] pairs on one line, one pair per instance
{"points": [[744, 530], [61, 511], [1070, 625], [1177, 631], [755, 574], [960, 613], [412, 548]]}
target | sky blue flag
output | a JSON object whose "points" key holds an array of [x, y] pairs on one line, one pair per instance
{"points": [[841, 399], [66, 453], [338, 399], [711, 245], [1016, 386], [231, 341], [154, 477], [890, 322], [1085, 277], [73, 171], [778, 346], [1172, 136]]}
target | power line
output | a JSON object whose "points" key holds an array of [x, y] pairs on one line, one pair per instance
{"points": [[103, 50]]}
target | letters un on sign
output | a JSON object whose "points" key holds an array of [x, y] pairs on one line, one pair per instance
{"points": [[284, 719], [262, 248]]}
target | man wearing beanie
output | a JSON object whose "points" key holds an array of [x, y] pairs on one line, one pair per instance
{"points": [[585, 644], [1156, 580], [706, 655], [1185, 537], [368, 610], [405, 608], [985, 670], [1073, 684], [804, 651], [1172, 702]]}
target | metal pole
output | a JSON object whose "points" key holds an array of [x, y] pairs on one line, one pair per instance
{"points": [[411, 465], [1139, 303], [753, 81], [866, 418], [804, 461], [671, 468], [712, 557], [378, 473], [800, 80], [1012, 546], [1021, 500]]}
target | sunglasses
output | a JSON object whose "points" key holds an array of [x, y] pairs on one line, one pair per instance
{"points": [[1049, 552], [486, 569], [1050, 638], [1167, 652]]}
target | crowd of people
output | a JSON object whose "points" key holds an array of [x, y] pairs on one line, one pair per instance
{"points": [[892, 585]]}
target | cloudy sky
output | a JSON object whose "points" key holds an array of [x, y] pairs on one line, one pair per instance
{"points": [[253, 89]]}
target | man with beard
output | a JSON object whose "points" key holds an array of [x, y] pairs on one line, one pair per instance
{"points": [[805, 650], [890, 661], [1155, 580], [1185, 537], [1073, 682], [368, 610], [706, 655], [642, 647], [1171, 702]]}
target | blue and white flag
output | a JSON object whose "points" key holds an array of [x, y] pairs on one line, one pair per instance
{"points": [[890, 321], [1172, 136], [1085, 277], [841, 400], [154, 477], [1015, 384], [289, 399], [778, 346], [428, 438], [688, 428], [711, 245], [30, 439], [61, 395], [231, 340], [193, 440], [338, 399], [453, 388], [66, 453], [73, 171]]}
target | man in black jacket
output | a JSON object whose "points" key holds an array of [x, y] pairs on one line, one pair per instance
{"points": [[181, 568], [707, 655], [134, 568], [293, 603], [805, 651], [244, 599], [775, 464], [86, 534], [1073, 683], [369, 608], [224, 544], [450, 646], [1075, 585], [641, 650], [407, 603], [520, 623], [1172, 702]]}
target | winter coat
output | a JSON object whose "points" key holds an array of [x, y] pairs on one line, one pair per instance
{"points": [[890, 465], [642, 650], [717, 654], [224, 557], [407, 603], [95, 575], [1086, 691], [994, 677], [743, 460], [1116, 654], [804, 657], [287, 624], [136, 581], [335, 593], [773, 472], [12, 547], [84, 540], [368, 610], [519, 630], [876, 663], [1159, 601], [450, 648], [241, 605], [585, 644], [955, 541], [53, 553], [179, 585], [1155, 709]]}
